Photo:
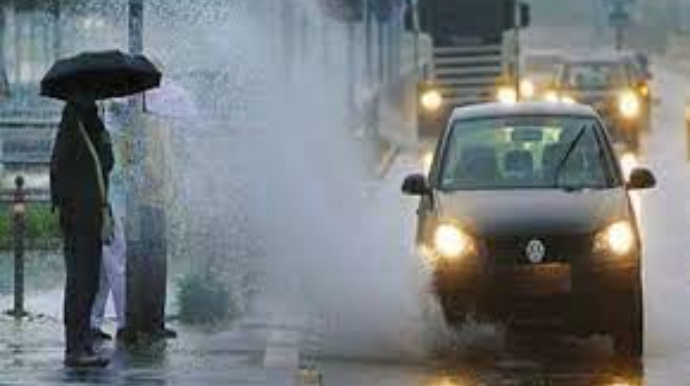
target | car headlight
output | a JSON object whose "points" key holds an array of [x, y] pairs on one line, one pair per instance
{"points": [[451, 242], [527, 88], [551, 96], [431, 100], [619, 238], [506, 94], [568, 100], [644, 90], [629, 104]]}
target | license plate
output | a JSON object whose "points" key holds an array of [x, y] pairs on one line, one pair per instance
{"points": [[542, 279]]}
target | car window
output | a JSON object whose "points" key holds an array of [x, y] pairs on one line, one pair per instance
{"points": [[523, 152], [595, 76]]}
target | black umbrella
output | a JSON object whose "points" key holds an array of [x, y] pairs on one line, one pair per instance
{"points": [[100, 75]]}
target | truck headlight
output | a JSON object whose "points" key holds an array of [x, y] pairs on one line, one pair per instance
{"points": [[629, 104], [527, 88], [568, 100], [506, 94], [551, 96], [619, 238], [431, 100], [451, 242]]}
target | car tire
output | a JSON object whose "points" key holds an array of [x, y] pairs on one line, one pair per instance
{"points": [[628, 337], [454, 308]]}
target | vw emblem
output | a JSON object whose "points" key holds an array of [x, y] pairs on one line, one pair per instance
{"points": [[536, 251]]}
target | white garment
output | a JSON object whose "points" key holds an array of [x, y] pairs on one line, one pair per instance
{"points": [[112, 278]]}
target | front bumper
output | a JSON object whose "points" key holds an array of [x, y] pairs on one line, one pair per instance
{"points": [[569, 298]]}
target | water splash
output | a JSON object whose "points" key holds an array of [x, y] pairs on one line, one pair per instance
{"points": [[277, 192]]}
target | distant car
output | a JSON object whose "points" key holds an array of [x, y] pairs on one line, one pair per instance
{"points": [[525, 219], [616, 87], [539, 70]]}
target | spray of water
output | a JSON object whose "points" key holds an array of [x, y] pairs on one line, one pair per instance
{"points": [[278, 196]]}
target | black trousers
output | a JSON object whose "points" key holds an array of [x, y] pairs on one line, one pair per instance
{"points": [[83, 255], [147, 274]]}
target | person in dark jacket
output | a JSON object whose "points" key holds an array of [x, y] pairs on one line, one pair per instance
{"points": [[77, 196]]}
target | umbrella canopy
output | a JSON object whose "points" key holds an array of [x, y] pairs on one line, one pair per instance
{"points": [[100, 75]]}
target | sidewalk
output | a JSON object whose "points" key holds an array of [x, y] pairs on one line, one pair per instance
{"points": [[245, 352], [32, 354]]}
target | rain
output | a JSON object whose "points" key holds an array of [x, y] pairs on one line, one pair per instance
{"points": [[276, 146]]}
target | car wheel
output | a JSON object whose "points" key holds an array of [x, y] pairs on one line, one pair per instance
{"points": [[628, 337], [454, 309]]}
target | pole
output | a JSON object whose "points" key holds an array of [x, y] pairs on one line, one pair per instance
{"points": [[518, 51], [56, 11], [351, 66], [146, 272], [369, 45], [136, 26], [619, 37], [415, 45], [134, 310], [18, 221]]}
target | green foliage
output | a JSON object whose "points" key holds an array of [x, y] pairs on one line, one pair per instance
{"points": [[203, 299], [42, 227]]}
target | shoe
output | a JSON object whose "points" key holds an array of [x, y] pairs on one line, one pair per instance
{"points": [[169, 333], [85, 360], [99, 334]]}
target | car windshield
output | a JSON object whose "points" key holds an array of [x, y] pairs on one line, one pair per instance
{"points": [[595, 76], [524, 152]]}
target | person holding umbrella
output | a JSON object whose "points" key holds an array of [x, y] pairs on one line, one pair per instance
{"points": [[81, 163]]}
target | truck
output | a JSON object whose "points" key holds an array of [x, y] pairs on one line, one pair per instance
{"points": [[467, 52]]}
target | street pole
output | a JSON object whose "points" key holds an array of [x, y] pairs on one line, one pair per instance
{"points": [[56, 12], [136, 26], [518, 49], [19, 228], [351, 53], [146, 270], [369, 45], [620, 37]]}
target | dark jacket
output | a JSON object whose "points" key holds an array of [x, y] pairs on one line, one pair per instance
{"points": [[73, 178]]}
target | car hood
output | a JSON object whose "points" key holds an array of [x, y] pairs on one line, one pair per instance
{"points": [[534, 211]]}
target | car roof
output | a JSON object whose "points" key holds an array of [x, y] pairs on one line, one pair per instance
{"points": [[498, 110]]}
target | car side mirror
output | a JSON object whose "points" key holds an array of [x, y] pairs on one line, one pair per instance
{"points": [[640, 179], [416, 185]]}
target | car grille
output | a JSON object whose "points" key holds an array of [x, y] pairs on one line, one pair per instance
{"points": [[559, 249]]}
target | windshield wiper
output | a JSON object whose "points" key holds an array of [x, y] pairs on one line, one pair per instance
{"points": [[566, 156]]}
